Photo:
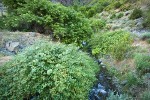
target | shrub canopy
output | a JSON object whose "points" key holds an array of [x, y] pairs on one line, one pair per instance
{"points": [[53, 70], [62, 23], [137, 13], [114, 43]]}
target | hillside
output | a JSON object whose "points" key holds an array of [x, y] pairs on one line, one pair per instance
{"points": [[75, 49]]}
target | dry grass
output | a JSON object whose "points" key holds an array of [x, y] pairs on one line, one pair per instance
{"points": [[5, 59], [125, 65], [128, 64], [140, 43]]}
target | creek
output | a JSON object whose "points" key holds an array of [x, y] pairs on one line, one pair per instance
{"points": [[104, 84]]}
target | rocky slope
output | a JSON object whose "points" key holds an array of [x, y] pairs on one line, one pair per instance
{"points": [[13, 42]]}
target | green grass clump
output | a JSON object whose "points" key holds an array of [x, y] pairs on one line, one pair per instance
{"points": [[115, 43], [142, 62], [137, 13], [52, 70], [132, 79]]}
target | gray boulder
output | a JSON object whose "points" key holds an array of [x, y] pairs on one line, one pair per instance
{"points": [[12, 46]]}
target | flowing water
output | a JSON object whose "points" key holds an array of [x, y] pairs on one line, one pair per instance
{"points": [[103, 86]]}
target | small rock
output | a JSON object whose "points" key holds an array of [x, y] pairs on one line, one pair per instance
{"points": [[103, 66], [11, 46], [103, 91], [99, 61], [100, 86], [84, 43], [128, 12]]}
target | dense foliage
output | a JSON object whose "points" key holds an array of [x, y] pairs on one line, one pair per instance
{"points": [[64, 24], [2, 26], [137, 13], [92, 8], [114, 43], [13, 4], [97, 24], [52, 70], [117, 5]]}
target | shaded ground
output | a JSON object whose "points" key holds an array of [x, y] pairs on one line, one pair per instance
{"points": [[24, 39]]}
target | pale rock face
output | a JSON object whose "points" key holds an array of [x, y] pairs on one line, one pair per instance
{"points": [[11, 46]]}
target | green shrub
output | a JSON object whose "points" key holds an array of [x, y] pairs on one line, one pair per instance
{"points": [[64, 24], [148, 41], [145, 95], [114, 43], [117, 5], [93, 8], [146, 22], [120, 15], [142, 62], [132, 79], [113, 96], [2, 23], [91, 12], [145, 36], [53, 70], [97, 24], [137, 13]]}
